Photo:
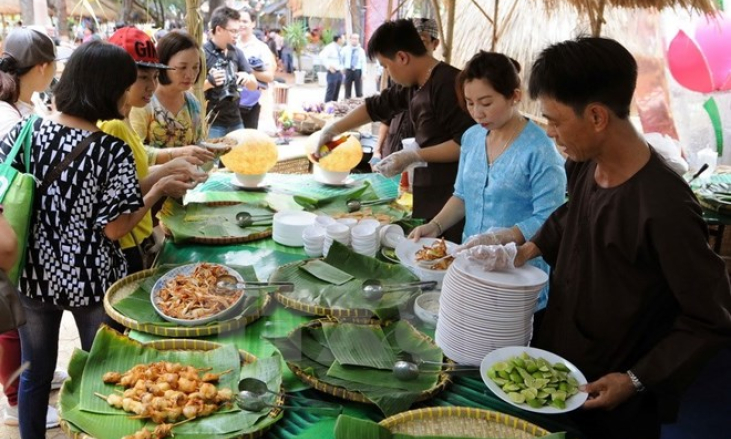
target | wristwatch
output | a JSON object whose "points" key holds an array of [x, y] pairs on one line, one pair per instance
{"points": [[639, 387]]}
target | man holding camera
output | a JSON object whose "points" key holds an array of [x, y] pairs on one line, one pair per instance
{"points": [[228, 70]]}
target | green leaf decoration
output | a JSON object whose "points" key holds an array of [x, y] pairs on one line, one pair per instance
{"points": [[326, 272], [359, 345], [113, 351], [137, 306], [712, 109], [207, 221], [312, 350], [316, 292]]}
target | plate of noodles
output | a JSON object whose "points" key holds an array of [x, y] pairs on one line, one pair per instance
{"points": [[187, 295]]}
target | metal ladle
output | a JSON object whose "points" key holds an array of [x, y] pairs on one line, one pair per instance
{"points": [[355, 205], [245, 219], [228, 282], [405, 370], [373, 289], [252, 392]]}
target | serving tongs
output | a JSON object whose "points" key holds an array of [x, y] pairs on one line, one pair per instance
{"points": [[228, 284]]}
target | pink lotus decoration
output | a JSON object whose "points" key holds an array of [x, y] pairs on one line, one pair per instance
{"points": [[703, 64]]}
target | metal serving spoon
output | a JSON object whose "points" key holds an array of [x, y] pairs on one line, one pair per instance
{"points": [[228, 282], [355, 205], [252, 392], [245, 219], [405, 370], [373, 289]]}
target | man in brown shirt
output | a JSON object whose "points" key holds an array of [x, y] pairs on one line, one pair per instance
{"points": [[639, 302], [425, 87]]}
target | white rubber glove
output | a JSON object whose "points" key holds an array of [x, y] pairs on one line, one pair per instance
{"points": [[397, 163], [493, 236], [492, 257], [327, 135]]}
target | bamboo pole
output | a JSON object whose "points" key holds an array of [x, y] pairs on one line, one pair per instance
{"points": [[451, 6], [194, 23], [479, 8], [384, 75], [596, 18], [438, 17], [496, 20]]}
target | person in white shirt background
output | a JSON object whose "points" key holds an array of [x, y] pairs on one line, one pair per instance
{"points": [[331, 58], [354, 62], [264, 64]]}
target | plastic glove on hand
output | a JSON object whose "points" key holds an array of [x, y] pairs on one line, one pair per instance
{"points": [[327, 135], [492, 257], [397, 163]]}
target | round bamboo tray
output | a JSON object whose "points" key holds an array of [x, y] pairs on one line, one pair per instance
{"points": [[462, 422], [321, 311], [224, 240], [188, 345], [349, 395], [126, 286]]}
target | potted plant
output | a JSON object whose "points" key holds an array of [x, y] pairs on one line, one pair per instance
{"points": [[295, 35]]}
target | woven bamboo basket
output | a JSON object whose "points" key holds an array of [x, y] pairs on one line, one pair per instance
{"points": [[349, 395], [462, 422], [316, 310], [126, 286], [225, 240], [188, 345]]}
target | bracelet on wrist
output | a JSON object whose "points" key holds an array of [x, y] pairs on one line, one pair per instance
{"points": [[439, 225], [639, 387]]}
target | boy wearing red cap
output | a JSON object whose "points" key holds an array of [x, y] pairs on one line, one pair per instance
{"points": [[180, 173]]}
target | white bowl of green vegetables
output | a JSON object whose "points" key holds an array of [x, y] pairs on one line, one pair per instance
{"points": [[533, 379]]}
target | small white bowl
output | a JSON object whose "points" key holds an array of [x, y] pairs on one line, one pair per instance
{"points": [[313, 252], [337, 230], [426, 308], [364, 231], [250, 180], [329, 177], [394, 229], [313, 233], [324, 220], [370, 222], [350, 222], [392, 240]]}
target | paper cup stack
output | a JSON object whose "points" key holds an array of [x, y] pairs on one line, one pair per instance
{"points": [[335, 232], [364, 239], [313, 237], [287, 227], [481, 311]]}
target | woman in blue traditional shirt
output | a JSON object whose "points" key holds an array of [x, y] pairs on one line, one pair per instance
{"points": [[511, 177]]}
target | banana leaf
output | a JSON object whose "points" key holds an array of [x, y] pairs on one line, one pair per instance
{"points": [[137, 306], [304, 348], [112, 349], [359, 345], [347, 427], [326, 272], [313, 291], [206, 221]]}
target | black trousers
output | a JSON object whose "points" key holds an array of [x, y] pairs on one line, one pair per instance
{"points": [[353, 76], [250, 116], [334, 82]]}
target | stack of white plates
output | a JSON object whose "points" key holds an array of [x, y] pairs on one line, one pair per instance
{"points": [[481, 311], [288, 225]]}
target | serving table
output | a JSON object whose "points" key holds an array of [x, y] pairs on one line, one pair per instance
{"points": [[265, 256]]}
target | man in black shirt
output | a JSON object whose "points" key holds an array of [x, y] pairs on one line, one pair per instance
{"points": [[228, 69]]}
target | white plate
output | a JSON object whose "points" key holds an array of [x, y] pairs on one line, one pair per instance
{"points": [[523, 277], [235, 182], [503, 354], [407, 248], [350, 181], [187, 270]]}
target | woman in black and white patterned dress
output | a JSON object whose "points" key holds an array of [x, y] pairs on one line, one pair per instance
{"points": [[72, 255]]}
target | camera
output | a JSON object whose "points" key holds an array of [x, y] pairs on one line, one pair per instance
{"points": [[229, 88]]}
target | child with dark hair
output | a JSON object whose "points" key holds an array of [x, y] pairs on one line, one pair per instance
{"points": [[511, 177], [426, 88]]}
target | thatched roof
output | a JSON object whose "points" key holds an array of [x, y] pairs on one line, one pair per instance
{"points": [[590, 5], [533, 28]]}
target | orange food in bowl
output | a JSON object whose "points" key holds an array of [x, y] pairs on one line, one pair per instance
{"points": [[255, 153]]}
